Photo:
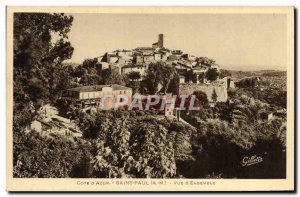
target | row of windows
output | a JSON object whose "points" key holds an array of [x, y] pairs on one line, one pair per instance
{"points": [[94, 95], [138, 68]]}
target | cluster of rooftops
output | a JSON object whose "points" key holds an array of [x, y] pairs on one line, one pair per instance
{"points": [[125, 61], [138, 59]]}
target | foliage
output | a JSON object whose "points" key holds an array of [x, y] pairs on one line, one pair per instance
{"points": [[201, 97], [248, 82], [48, 157], [90, 63], [214, 96], [201, 77], [158, 77], [190, 76], [225, 111], [235, 127], [63, 79], [273, 96], [180, 135], [204, 61], [65, 106], [174, 85], [215, 139], [134, 76], [35, 59], [134, 85], [212, 74], [110, 76], [225, 73], [127, 151], [89, 72]]}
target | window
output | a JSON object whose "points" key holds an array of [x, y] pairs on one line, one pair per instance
{"points": [[120, 92], [124, 92]]}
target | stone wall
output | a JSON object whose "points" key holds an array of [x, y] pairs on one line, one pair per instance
{"points": [[221, 90]]}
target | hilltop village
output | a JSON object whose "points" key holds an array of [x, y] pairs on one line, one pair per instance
{"points": [[138, 60], [195, 74]]}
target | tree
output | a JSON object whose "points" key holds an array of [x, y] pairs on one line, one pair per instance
{"points": [[90, 79], [201, 97], [226, 111], [212, 74], [36, 156], [248, 82], [189, 76], [65, 106], [63, 79], [158, 77], [156, 154], [204, 61], [201, 77], [89, 72], [214, 96], [135, 85], [174, 85], [90, 63], [60, 52], [111, 76], [134, 76], [127, 150], [36, 57], [132, 80], [225, 73]]}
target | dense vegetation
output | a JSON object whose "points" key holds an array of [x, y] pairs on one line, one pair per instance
{"points": [[230, 131], [38, 62], [49, 157]]}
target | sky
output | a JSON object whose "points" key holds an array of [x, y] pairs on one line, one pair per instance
{"points": [[234, 41]]}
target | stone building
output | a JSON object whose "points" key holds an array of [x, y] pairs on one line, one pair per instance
{"points": [[148, 58], [160, 43], [92, 95], [124, 53], [157, 56], [145, 50], [140, 68], [138, 58]]}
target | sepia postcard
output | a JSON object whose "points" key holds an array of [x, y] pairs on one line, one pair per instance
{"points": [[150, 99]]}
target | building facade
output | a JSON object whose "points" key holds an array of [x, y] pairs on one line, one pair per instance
{"points": [[91, 95], [140, 68]]}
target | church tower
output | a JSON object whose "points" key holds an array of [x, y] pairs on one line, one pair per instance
{"points": [[161, 40]]}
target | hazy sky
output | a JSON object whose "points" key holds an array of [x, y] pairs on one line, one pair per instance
{"points": [[235, 41]]}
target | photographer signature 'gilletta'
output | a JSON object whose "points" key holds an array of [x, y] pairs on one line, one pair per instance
{"points": [[247, 161], [167, 96]]}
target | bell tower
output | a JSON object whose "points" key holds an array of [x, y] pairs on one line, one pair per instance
{"points": [[160, 40]]}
